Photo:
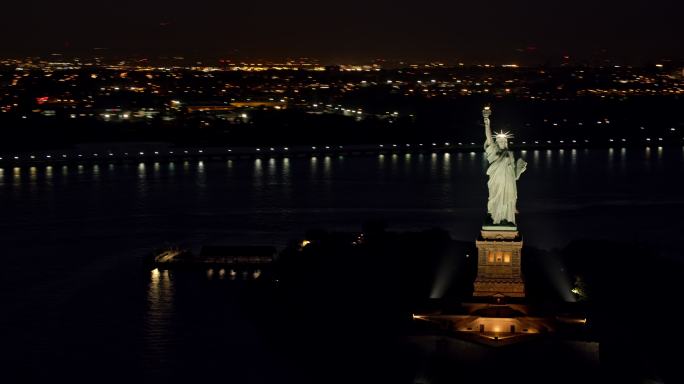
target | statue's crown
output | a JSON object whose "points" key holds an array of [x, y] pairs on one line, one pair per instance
{"points": [[504, 135]]}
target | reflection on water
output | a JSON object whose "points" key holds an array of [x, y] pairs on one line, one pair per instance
{"points": [[142, 185], [327, 167], [459, 162], [313, 166], [659, 162], [272, 170], [573, 159], [16, 175], [535, 156], [286, 169], [258, 171], [33, 175], [156, 169], [96, 172], [201, 181], [611, 158], [160, 310]]}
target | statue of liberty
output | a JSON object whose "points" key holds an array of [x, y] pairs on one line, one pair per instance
{"points": [[503, 171]]}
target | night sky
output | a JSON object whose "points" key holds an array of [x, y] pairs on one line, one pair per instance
{"points": [[351, 30]]}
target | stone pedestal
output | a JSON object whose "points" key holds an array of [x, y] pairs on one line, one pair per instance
{"points": [[498, 265]]}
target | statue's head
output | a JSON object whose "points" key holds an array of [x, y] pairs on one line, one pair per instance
{"points": [[502, 142], [502, 139]]}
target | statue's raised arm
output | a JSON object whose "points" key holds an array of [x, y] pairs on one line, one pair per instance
{"points": [[486, 112]]}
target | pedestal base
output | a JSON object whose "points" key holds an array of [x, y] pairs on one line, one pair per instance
{"points": [[491, 287], [498, 267]]}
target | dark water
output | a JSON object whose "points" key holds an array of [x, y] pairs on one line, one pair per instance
{"points": [[76, 302]]}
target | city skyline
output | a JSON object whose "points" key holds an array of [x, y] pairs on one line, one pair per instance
{"points": [[531, 32]]}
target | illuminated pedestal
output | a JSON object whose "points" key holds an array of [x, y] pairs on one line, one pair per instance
{"points": [[498, 262]]}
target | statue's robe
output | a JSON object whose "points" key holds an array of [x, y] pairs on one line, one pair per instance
{"points": [[503, 193]]}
